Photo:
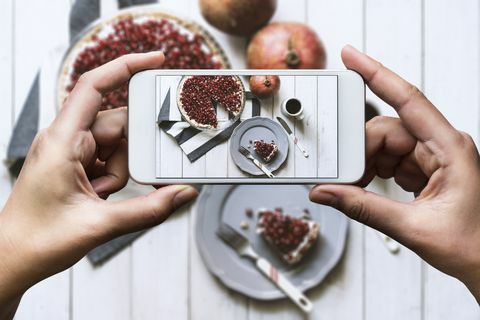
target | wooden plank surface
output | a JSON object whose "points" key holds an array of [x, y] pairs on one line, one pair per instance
{"points": [[451, 83], [50, 298], [341, 295], [393, 283], [208, 297], [96, 289], [281, 309], [6, 90]]}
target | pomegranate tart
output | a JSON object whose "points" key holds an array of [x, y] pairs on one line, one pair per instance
{"points": [[185, 44], [199, 96], [291, 237]]}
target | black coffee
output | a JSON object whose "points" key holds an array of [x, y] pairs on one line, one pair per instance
{"points": [[293, 106]]}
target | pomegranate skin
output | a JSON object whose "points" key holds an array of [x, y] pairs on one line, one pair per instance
{"points": [[286, 45], [264, 86], [238, 17]]}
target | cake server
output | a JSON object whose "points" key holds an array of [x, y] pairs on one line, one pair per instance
{"points": [[242, 246], [248, 155], [294, 138]]}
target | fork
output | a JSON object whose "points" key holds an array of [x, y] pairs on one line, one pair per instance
{"points": [[243, 248], [248, 155]]}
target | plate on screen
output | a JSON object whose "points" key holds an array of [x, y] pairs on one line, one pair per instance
{"points": [[258, 128]]}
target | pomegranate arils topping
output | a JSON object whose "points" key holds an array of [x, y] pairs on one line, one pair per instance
{"points": [[200, 92], [264, 149], [285, 231], [181, 51]]}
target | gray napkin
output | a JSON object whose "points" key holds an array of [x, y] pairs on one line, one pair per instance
{"points": [[82, 14]]}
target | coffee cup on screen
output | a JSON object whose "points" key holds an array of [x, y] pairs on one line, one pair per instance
{"points": [[292, 107]]}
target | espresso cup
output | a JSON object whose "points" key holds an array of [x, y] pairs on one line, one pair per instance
{"points": [[292, 107]]}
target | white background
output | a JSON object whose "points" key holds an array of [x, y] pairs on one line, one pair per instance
{"points": [[433, 43]]}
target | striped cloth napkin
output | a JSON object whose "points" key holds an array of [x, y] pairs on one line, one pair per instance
{"points": [[193, 142]]}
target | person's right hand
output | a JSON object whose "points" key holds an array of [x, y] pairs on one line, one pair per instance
{"points": [[426, 155]]}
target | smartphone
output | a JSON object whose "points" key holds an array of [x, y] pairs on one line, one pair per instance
{"points": [[246, 126]]}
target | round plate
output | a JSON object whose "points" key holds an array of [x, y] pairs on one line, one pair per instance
{"points": [[258, 128], [98, 26], [222, 125], [228, 203]]}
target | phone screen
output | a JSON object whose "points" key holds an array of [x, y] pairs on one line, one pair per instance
{"points": [[237, 126]]}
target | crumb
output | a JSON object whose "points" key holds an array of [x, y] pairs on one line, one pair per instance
{"points": [[249, 213], [244, 225]]}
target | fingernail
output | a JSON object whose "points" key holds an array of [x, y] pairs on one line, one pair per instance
{"points": [[323, 197], [184, 195], [350, 47], [158, 54]]}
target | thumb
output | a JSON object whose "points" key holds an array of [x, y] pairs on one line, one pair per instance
{"points": [[150, 210], [388, 216]]}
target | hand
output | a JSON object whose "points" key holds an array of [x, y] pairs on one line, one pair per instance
{"points": [[56, 212], [425, 155]]}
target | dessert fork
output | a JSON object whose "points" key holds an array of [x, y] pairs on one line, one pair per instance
{"points": [[242, 246], [248, 155]]}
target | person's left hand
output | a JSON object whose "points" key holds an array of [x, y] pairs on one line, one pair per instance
{"points": [[56, 212]]}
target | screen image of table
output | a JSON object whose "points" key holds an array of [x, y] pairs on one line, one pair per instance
{"points": [[179, 144]]}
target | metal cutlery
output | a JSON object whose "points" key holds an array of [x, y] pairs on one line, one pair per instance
{"points": [[242, 246], [294, 138], [248, 155]]}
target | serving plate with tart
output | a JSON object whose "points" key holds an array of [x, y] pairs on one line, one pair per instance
{"points": [[248, 134], [186, 45], [321, 240]]}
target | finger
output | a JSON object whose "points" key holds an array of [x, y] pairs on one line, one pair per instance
{"points": [[147, 211], [110, 126], [419, 115], [96, 170], [410, 182], [385, 165], [105, 152], [115, 172], [83, 103], [409, 175], [368, 176], [388, 135], [388, 216]]}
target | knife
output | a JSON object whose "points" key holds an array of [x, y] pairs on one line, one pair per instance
{"points": [[248, 155], [295, 139]]}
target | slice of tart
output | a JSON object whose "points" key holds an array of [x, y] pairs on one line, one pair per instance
{"points": [[198, 95], [266, 150], [291, 237]]}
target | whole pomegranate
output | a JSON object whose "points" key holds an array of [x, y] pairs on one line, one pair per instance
{"points": [[238, 17], [286, 45], [264, 86]]}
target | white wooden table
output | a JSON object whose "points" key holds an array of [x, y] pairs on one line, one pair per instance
{"points": [[433, 43]]}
